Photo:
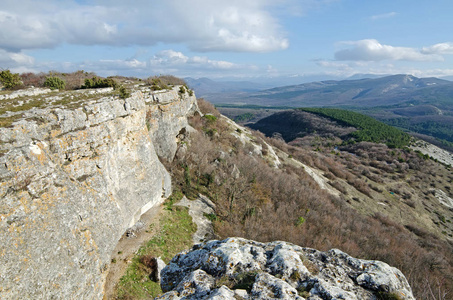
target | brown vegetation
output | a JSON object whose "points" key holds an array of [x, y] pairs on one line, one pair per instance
{"points": [[258, 201]]}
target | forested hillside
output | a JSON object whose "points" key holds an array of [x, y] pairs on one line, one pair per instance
{"points": [[370, 130]]}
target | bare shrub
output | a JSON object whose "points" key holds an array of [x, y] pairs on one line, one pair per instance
{"points": [[32, 79], [207, 108], [150, 263], [360, 185], [339, 187], [257, 201], [171, 80]]}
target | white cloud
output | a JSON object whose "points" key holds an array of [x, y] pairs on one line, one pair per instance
{"points": [[441, 48], [11, 59], [171, 58], [349, 68], [372, 50], [384, 16], [164, 62], [204, 25]]}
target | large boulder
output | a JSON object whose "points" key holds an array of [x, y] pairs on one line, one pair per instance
{"points": [[244, 269]]}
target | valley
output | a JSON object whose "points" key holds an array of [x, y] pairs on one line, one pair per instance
{"points": [[422, 106]]}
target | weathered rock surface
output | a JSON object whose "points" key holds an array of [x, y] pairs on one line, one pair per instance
{"points": [[27, 92], [244, 269], [72, 180], [198, 209]]}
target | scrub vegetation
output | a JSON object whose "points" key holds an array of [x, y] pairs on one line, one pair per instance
{"points": [[257, 201], [370, 130]]}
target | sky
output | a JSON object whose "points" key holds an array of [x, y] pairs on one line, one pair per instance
{"points": [[229, 39]]}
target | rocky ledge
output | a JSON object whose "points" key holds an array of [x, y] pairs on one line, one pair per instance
{"points": [[77, 169], [237, 268]]}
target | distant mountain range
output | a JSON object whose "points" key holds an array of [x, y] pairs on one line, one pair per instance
{"points": [[420, 105], [389, 90], [209, 88], [206, 86]]}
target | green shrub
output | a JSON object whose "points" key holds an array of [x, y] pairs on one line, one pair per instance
{"points": [[300, 221], [55, 83], [210, 118], [210, 217], [96, 82], [9, 80], [388, 296], [157, 84], [182, 90], [124, 93]]}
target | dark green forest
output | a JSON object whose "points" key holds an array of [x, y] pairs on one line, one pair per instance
{"points": [[370, 130]]}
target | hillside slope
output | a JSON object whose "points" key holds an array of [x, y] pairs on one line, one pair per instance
{"points": [[80, 167], [372, 177], [365, 199]]}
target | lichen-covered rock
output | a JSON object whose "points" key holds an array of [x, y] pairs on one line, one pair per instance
{"points": [[277, 270], [72, 180]]}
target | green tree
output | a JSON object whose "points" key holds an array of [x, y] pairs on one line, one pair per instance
{"points": [[9, 80], [124, 93], [55, 83]]}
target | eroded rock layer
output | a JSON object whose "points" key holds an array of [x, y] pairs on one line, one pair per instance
{"points": [[72, 180]]}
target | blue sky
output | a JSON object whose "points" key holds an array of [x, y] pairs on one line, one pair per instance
{"points": [[249, 40]]}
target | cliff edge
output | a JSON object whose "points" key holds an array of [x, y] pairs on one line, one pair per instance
{"points": [[76, 171]]}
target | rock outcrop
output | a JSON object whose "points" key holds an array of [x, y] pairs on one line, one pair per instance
{"points": [[73, 178], [198, 209], [242, 269]]}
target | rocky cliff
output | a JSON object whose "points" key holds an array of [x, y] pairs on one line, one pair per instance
{"points": [[237, 268], [76, 171]]}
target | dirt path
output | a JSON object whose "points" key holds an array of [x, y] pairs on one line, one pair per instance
{"points": [[126, 248]]}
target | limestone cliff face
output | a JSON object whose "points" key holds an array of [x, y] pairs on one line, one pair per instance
{"points": [[72, 180]]}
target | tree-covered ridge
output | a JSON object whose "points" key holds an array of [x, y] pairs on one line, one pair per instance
{"points": [[370, 130]]}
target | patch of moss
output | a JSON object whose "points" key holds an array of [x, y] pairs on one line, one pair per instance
{"points": [[242, 280], [388, 296]]}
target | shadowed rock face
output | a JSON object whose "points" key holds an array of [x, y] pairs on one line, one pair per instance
{"points": [[244, 269], [74, 181]]}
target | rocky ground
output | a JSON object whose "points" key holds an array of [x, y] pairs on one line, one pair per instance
{"points": [[127, 246], [244, 269], [435, 152]]}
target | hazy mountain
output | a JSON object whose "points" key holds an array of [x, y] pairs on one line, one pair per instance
{"points": [[450, 78], [420, 105], [227, 88], [206, 86], [387, 90], [364, 76]]}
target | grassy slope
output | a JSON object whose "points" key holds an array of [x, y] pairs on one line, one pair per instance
{"points": [[175, 235]]}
